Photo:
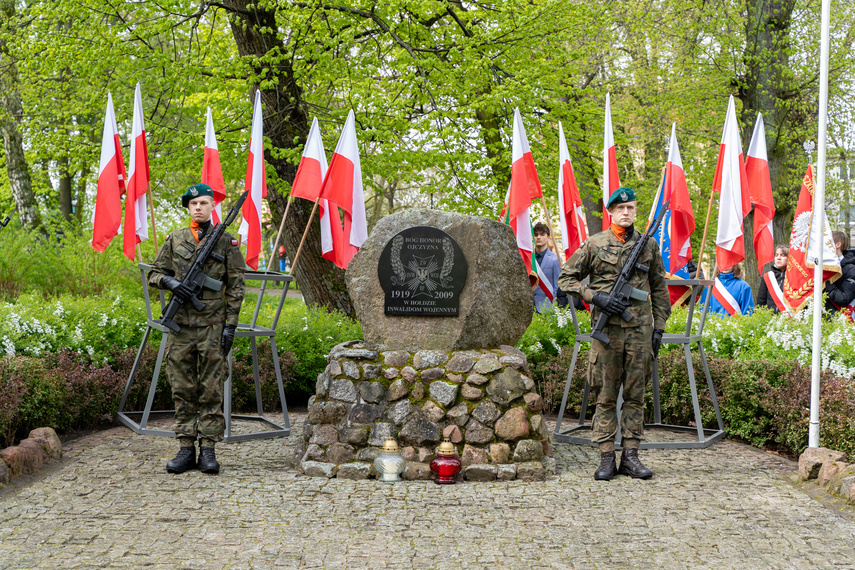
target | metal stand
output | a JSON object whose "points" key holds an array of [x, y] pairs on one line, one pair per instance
{"points": [[706, 437], [252, 330]]}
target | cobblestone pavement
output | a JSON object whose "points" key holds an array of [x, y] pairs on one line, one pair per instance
{"points": [[111, 504]]}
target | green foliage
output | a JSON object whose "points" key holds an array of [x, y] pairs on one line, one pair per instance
{"points": [[65, 264], [96, 326], [550, 331], [309, 333]]}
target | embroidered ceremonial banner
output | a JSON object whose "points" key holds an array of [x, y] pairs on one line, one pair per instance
{"points": [[798, 282]]}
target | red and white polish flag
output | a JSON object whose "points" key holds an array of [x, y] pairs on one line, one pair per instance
{"points": [[760, 186], [734, 202], [523, 179], [611, 180], [136, 223], [307, 185], [107, 216], [212, 170], [571, 217], [256, 184], [342, 187], [682, 221]]}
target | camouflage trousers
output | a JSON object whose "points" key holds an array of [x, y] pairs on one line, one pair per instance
{"points": [[627, 361], [196, 370]]}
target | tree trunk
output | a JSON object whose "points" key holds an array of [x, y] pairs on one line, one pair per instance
{"points": [[287, 126], [65, 195], [11, 116], [767, 88]]}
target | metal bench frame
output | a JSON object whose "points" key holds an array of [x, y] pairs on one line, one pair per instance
{"points": [[252, 330], [706, 436]]}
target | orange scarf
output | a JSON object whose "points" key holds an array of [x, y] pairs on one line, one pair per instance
{"points": [[196, 229], [619, 232]]}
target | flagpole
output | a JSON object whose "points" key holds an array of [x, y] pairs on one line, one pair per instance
{"points": [[818, 227], [282, 224], [151, 209], [305, 233], [655, 200], [549, 225], [704, 239], [139, 252]]}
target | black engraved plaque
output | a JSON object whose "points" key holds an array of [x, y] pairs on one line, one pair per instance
{"points": [[422, 270]]}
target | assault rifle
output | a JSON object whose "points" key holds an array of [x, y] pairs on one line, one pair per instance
{"points": [[622, 290], [195, 280]]}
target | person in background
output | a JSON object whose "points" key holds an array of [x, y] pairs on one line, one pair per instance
{"points": [[778, 267], [549, 266], [731, 290], [841, 293]]}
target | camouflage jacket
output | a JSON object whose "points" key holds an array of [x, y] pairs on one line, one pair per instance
{"points": [[601, 258], [174, 259]]}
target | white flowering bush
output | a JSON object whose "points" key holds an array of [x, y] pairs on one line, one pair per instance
{"points": [[761, 335], [767, 336], [97, 326]]}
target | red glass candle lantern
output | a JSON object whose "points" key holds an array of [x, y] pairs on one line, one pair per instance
{"points": [[445, 465]]}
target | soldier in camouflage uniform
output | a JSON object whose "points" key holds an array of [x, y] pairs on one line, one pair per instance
{"points": [[196, 356], [628, 360]]}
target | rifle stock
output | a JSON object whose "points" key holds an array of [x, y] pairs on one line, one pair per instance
{"points": [[195, 279]]}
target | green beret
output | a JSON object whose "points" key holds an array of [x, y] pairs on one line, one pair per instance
{"points": [[621, 195], [195, 191]]}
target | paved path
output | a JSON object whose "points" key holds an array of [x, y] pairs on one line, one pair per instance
{"points": [[110, 504]]}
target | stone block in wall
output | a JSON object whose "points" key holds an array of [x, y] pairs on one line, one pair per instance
{"points": [[473, 455], [416, 471], [531, 471], [513, 425], [506, 386], [480, 472], [319, 469], [356, 470]]}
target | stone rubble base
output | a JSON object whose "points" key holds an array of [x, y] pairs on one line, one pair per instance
{"points": [[482, 400]]}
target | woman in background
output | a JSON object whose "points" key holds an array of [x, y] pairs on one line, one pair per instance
{"points": [[778, 268]]}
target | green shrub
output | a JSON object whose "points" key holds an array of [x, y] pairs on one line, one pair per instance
{"points": [[762, 402], [63, 264]]}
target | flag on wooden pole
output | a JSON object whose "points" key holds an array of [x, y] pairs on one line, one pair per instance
{"points": [[307, 185], [256, 184], [735, 202], [136, 223], [212, 171], [681, 224], [107, 216], [342, 187], [611, 180], [760, 187], [574, 231]]}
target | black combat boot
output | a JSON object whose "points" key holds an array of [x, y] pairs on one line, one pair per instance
{"points": [[631, 465], [608, 467], [184, 460], [208, 461]]}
